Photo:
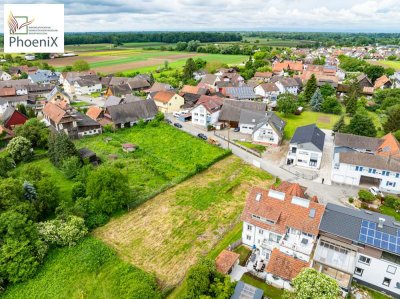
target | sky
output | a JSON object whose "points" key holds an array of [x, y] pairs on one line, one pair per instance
{"points": [[228, 15]]}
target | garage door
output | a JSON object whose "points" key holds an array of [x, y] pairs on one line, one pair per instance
{"points": [[338, 178], [349, 181]]}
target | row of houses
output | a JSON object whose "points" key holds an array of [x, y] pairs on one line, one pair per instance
{"points": [[288, 231]]}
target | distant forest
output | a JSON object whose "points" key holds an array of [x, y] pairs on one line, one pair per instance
{"points": [[315, 39], [332, 38]]}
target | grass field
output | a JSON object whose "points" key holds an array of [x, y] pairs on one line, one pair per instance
{"points": [[165, 157], [323, 121], [386, 63], [88, 270], [169, 233], [47, 167], [269, 291], [107, 60]]}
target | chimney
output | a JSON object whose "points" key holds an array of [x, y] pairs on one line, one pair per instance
{"points": [[381, 222], [258, 196]]}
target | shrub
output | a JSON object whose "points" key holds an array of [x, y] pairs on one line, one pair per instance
{"points": [[19, 149], [61, 232], [71, 166], [351, 200], [366, 196], [391, 201], [6, 164]]}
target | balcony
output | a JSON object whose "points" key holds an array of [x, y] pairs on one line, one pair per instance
{"points": [[336, 256], [299, 243], [267, 244]]}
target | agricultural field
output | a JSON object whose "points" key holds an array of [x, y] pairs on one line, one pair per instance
{"points": [[123, 60], [165, 157], [88, 270], [170, 232], [386, 63]]}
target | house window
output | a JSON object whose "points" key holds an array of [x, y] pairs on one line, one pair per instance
{"points": [[386, 281], [358, 271], [249, 227], [393, 184], [248, 238], [371, 170], [274, 238], [260, 231], [385, 172], [294, 149], [359, 168], [364, 260], [391, 269], [397, 175]]}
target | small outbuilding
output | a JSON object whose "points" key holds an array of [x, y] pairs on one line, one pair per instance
{"points": [[88, 156], [226, 260], [244, 290]]}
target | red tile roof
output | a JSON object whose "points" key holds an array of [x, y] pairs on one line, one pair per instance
{"points": [[94, 112], [163, 96], [381, 81], [226, 260], [283, 212], [190, 89], [7, 91], [288, 65], [284, 266], [389, 147], [211, 103], [54, 112]]}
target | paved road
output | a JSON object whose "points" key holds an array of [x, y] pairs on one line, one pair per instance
{"points": [[337, 194]]}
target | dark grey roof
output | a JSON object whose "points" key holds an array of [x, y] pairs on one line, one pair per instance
{"points": [[131, 98], [209, 79], [112, 101], [309, 134], [82, 120], [86, 153], [190, 100], [286, 81], [251, 117], [356, 141], [22, 83], [243, 92], [231, 109], [44, 76], [246, 291], [369, 160], [133, 111], [346, 222], [274, 121], [22, 98], [121, 89]]}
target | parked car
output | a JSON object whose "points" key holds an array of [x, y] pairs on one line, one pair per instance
{"points": [[168, 121], [202, 136], [376, 192], [176, 114], [236, 129], [178, 125]]}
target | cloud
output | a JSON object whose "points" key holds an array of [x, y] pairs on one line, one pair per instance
{"points": [[298, 15]]}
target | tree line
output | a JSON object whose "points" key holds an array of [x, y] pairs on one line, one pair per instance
{"points": [[162, 37]]}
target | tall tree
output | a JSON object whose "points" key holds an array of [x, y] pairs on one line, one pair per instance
{"points": [[189, 69], [310, 284], [374, 72], [327, 90], [19, 149], [60, 148], [352, 96], [80, 65], [392, 123], [316, 101], [287, 103], [361, 124], [35, 131], [311, 87], [340, 125]]}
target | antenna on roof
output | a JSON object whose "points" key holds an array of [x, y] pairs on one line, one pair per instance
{"points": [[258, 196], [381, 222]]}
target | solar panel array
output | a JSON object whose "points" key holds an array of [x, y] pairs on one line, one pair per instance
{"points": [[371, 236]]}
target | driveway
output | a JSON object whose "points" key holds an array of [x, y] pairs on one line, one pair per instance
{"points": [[326, 193], [237, 273]]}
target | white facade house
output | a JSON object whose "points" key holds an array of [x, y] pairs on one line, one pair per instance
{"points": [[367, 161], [4, 76], [207, 110], [306, 147], [274, 225], [82, 87], [361, 246], [265, 128], [268, 91], [287, 85], [14, 101]]}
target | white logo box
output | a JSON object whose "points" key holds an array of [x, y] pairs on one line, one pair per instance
{"points": [[33, 28]]}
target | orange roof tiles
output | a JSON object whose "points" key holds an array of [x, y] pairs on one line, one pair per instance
{"points": [[389, 147], [94, 112], [7, 91], [283, 212], [54, 112], [211, 103], [381, 81], [292, 189], [163, 96], [190, 89], [226, 260], [288, 65], [284, 266]]}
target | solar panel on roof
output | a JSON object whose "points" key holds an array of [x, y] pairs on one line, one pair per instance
{"points": [[371, 236]]}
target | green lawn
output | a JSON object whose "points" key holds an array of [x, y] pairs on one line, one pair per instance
{"points": [[257, 147], [389, 211], [47, 167], [372, 293], [388, 63], [323, 121], [166, 156], [244, 252], [80, 104], [269, 291], [88, 270]]}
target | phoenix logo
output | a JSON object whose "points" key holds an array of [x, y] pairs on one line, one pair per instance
{"points": [[15, 27]]}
